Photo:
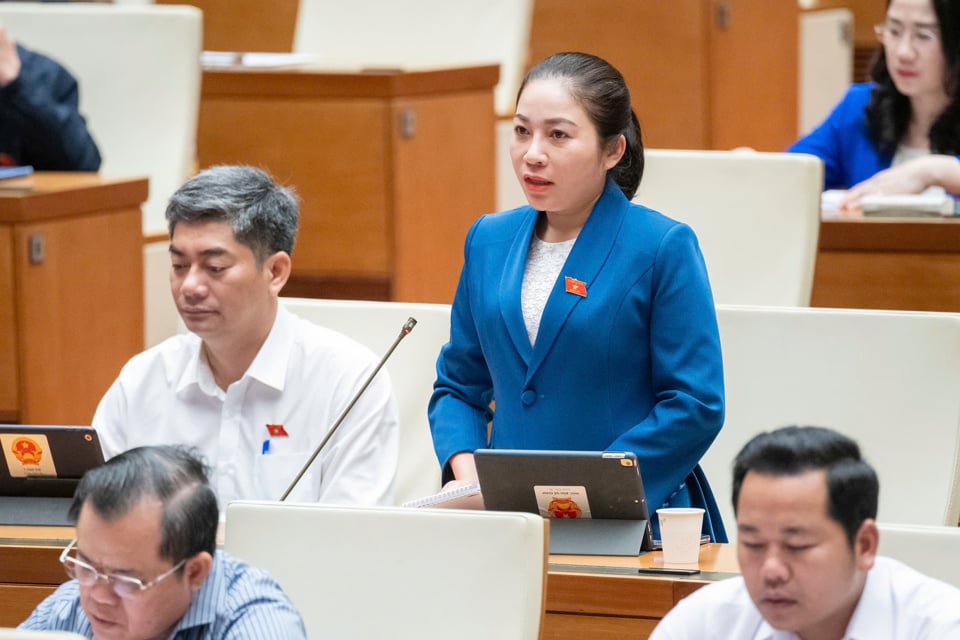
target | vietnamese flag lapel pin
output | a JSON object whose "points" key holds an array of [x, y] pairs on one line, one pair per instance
{"points": [[277, 431], [576, 287]]}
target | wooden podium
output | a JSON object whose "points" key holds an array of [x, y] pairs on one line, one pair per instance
{"points": [[391, 167], [71, 292]]}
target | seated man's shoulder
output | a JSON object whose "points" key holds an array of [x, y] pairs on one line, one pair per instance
{"points": [[38, 66], [172, 354], [917, 595], [239, 577], [252, 598], [718, 610]]}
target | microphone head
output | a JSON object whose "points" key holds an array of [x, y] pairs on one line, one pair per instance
{"points": [[409, 325]]}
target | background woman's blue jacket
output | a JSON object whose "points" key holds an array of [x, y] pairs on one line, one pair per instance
{"points": [[843, 142], [634, 365]]}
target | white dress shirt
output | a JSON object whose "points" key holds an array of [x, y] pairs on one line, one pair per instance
{"points": [[301, 379], [897, 603]]}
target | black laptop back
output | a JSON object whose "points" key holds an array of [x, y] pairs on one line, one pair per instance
{"points": [[604, 485], [40, 468]]}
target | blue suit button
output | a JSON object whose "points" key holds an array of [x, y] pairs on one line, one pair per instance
{"points": [[528, 397]]}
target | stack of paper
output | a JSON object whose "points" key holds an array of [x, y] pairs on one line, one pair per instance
{"points": [[934, 202]]}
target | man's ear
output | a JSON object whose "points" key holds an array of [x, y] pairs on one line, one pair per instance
{"points": [[866, 544], [197, 568], [277, 267]]}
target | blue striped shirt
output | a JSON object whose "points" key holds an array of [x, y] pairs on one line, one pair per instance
{"points": [[235, 601]]}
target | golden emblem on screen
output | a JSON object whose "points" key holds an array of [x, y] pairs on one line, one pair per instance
{"points": [[26, 450], [564, 508]]}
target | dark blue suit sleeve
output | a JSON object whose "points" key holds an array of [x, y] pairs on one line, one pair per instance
{"points": [[42, 125]]}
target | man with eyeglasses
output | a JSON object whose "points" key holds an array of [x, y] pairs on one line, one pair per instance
{"points": [[144, 563]]}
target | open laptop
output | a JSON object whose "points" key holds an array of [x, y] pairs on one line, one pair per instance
{"points": [[40, 468], [594, 499]]}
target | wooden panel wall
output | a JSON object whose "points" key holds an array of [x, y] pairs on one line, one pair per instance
{"points": [[356, 209], [90, 282], [246, 25], [659, 47], [695, 84], [753, 74], [9, 372]]}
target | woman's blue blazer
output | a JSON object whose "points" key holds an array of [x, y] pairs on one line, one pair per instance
{"points": [[633, 365]]}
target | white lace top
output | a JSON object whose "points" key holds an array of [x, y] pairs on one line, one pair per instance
{"points": [[544, 262], [906, 154]]}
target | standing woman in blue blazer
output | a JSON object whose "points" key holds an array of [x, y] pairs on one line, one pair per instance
{"points": [[589, 320], [901, 132]]}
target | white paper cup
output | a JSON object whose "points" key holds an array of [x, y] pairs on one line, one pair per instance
{"points": [[680, 533]]}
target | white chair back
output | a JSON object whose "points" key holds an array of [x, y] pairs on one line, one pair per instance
{"points": [[756, 215], [390, 572], [419, 34], [826, 63], [138, 68], [412, 369], [932, 550], [889, 380]]}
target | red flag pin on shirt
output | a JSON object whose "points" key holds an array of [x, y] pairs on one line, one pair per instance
{"points": [[576, 287], [277, 431]]}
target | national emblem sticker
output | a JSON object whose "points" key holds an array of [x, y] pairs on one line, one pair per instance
{"points": [[562, 501], [27, 455]]}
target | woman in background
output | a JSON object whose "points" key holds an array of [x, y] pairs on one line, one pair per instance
{"points": [[900, 133], [589, 320]]}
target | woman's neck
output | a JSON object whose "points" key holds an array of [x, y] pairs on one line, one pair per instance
{"points": [[557, 229], [924, 111]]}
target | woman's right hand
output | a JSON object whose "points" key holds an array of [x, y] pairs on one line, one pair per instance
{"points": [[464, 468]]}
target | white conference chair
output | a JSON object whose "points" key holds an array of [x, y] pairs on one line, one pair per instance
{"points": [[887, 379], [420, 34], [826, 63], [412, 369], [390, 572], [756, 215], [932, 550]]}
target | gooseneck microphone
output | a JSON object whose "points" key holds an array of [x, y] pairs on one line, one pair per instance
{"points": [[404, 332]]}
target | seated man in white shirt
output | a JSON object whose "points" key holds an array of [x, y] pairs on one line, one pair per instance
{"points": [[806, 504], [252, 386]]}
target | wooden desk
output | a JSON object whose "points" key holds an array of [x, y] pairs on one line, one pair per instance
{"points": [[391, 166], [71, 292], [603, 598], [888, 263], [596, 597]]}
